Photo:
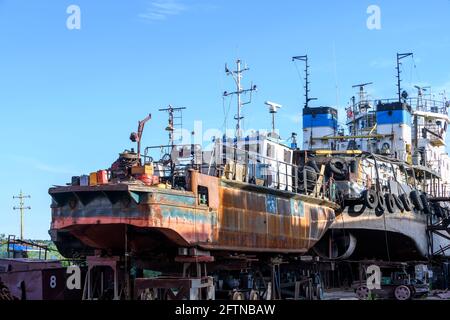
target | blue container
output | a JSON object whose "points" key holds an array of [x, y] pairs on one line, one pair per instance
{"points": [[84, 181]]}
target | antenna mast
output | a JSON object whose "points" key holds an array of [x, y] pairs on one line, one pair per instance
{"points": [[22, 208], [305, 59], [237, 76], [171, 126], [420, 94], [362, 92], [400, 56]]}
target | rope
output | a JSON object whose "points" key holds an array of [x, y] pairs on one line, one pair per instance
{"points": [[300, 76], [226, 113], [416, 69]]}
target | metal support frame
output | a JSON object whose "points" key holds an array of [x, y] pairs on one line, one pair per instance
{"points": [[191, 287], [435, 229], [93, 262]]}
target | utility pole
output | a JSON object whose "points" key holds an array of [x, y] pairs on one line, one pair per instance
{"points": [[21, 208]]}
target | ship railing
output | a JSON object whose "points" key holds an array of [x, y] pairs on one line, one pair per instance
{"points": [[433, 132], [420, 104], [242, 166], [177, 154], [252, 167]]}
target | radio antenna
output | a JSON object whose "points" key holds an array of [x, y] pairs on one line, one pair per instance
{"points": [[237, 77]]}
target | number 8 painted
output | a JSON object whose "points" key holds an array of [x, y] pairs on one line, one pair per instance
{"points": [[53, 282]]}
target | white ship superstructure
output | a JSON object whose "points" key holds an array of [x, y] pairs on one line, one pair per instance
{"points": [[392, 167]]}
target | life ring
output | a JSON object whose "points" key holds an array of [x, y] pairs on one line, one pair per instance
{"points": [[398, 203], [370, 198], [406, 202], [390, 202], [416, 201]]}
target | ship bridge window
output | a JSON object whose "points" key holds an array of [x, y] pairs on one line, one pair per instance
{"points": [[287, 156], [203, 196], [270, 151]]}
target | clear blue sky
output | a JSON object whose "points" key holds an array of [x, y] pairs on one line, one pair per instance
{"points": [[70, 98]]}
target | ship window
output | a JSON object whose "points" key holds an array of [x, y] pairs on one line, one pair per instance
{"points": [[203, 196], [270, 151], [287, 156]]}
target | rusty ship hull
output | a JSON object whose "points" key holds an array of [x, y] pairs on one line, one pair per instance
{"points": [[239, 217]]}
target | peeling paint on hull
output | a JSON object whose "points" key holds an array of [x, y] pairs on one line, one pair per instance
{"points": [[235, 218]]}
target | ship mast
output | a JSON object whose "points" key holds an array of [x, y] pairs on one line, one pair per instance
{"points": [[237, 77], [400, 56], [307, 83], [420, 96], [171, 126]]}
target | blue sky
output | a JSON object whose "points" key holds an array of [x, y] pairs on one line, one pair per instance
{"points": [[70, 98]]}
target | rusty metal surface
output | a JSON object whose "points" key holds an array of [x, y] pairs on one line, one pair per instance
{"points": [[9, 265], [33, 280], [234, 219]]}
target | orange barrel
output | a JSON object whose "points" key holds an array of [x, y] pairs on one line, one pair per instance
{"points": [[102, 177], [93, 179]]}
